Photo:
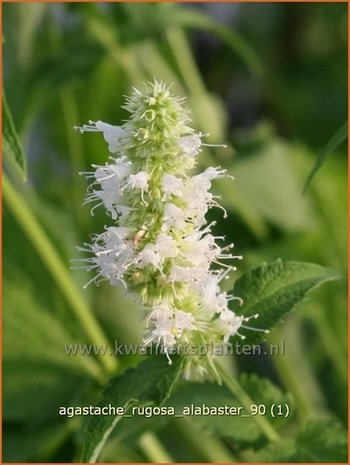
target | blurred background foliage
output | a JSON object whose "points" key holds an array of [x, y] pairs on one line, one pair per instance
{"points": [[270, 80]]}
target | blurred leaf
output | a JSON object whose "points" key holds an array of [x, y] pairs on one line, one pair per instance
{"points": [[268, 182], [56, 266], [151, 380], [10, 141], [30, 15], [272, 290], [240, 430], [156, 64], [319, 441], [27, 444], [54, 74], [194, 19], [150, 18], [120, 450], [36, 367], [339, 137], [104, 32]]}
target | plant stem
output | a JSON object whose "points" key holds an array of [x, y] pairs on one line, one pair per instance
{"points": [[153, 449], [75, 148], [104, 33], [185, 61], [57, 268], [233, 385], [207, 447], [70, 115], [293, 367], [202, 103]]}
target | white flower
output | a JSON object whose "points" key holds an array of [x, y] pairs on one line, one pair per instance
{"points": [[209, 289], [121, 232], [112, 253], [149, 256], [166, 246], [174, 217], [108, 174], [190, 145], [171, 185], [200, 251], [230, 324], [111, 134], [163, 333], [160, 313], [203, 180], [109, 179], [186, 274], [138, 180], [183, 320], [155, 254], [169, 326]]}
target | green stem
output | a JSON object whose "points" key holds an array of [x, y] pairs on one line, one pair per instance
{"points": [[70, 116], [104, 33], [57, 268], [233, 385], [201, 101], [185, 62], [153, 449], [329, 341], [293, 367], [75, 148], [206, 447]]}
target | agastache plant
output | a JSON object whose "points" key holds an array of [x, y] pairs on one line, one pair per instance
{"points": [[159, 246]]}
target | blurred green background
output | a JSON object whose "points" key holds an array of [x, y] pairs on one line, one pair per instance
{"points": [[269, 79]]}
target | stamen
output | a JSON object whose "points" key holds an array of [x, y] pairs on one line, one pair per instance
{"points": [[92, 280], [170, 362], [233, 297], [214, 203], [87, 128], [215, 145], [266, 331]]}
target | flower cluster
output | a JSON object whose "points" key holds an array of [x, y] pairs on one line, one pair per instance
{"points": [[159, 246]]}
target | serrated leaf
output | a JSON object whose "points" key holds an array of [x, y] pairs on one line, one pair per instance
{"points": [[151, 381], [11, 145], [339, 137], [243, 431], [272, 290], [319, 441]]}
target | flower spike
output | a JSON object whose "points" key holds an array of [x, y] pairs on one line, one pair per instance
{"points": [[159, 245]]}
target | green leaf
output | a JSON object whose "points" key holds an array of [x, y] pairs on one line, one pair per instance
{"points": [[10, 142], [147, 18], [339, 137], [151, 381], [319, 441], [172, 15], [272, 290], [243, 431], [24, 443], [267, 182], [38, 375]]}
